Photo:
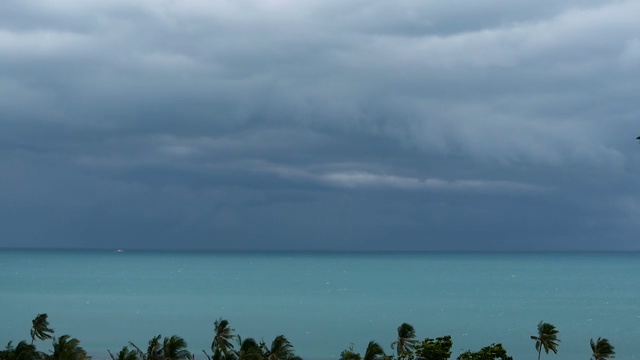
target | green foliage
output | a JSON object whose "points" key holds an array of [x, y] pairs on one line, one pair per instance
{"points": [[124, 354], [374, 352], [173, 348], [434, 349], [154, 351], [23, 351], [405, 342], [248, 349], [546, 339], [67, 348], [280, 349], [492, 352], [222, 346], [40, 328], [602, 349], [350, 354]]}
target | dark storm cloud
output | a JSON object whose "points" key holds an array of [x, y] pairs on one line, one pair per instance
{"points": [[319, 125]]}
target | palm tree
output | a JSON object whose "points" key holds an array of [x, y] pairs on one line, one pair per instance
{"points": [[125, 354], [374, 352], [40, 328], [546, 339], [154, 350], [175, 348], [406, 340], [22, 351], [350, 354], [67, 348], [221, 345], [248, 349], [491, 352], [281, 349], [602, 349]]}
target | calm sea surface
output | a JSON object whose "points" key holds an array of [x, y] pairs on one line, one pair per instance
{"points": [[325, 302]]}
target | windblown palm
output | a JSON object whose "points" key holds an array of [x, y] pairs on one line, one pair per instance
{"points": [[175, 348], [22, 351], [281, 349], [602, 349], [406, 340], [67, 348], [221, 346], [125, 354], [248, 349], [350, 354], [374, 352], [40, 328], [546, 339], [154, 350]]}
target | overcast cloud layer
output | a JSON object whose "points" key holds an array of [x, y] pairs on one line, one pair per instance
{"points": [[320, 125]]}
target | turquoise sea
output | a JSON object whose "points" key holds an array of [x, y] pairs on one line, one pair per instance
{"points": [[323, 302]]}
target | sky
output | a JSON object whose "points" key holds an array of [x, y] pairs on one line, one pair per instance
{"points": [[320, 125]]}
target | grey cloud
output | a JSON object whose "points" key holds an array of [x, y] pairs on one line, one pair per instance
{"points": [[200, 117], [354, 179], [358, 179]]}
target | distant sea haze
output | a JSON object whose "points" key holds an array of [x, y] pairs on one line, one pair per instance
{"points": [[324, 302]]}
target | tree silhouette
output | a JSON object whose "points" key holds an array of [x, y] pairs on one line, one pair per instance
{"points": [[546, 339], [602, 349], [67, 348], [40, 328], [406, 341], [222, 346]]}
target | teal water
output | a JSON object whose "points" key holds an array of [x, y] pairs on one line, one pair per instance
{"points": [[325, 302]]}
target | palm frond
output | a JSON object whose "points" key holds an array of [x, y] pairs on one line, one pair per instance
{"points": [[154, 349], [124, 354], [68, 348], [222, 345], [248, 349], [374, 351], [602, 349], [175, 348], [40, 328], [137, 350], [406, 340], [281, 348], [546, 339]]}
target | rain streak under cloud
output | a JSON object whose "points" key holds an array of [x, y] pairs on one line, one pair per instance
{"points": [[320, 125]]}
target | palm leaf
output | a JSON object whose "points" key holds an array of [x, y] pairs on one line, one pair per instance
{"points": [[374, 351], [124, 354], [175, 348], [546, 339], [406, 340], [68, 348], [602, 349], [281, 348], [40, 328], [248, 349], [221, 344]]}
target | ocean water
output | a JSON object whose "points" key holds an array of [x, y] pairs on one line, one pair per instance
{"points": [[325, 302]]}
